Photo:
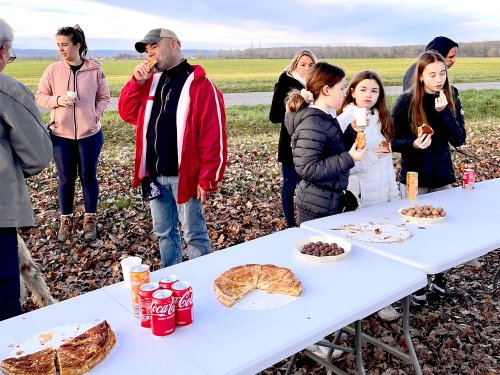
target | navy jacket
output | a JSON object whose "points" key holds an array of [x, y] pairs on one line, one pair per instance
{"points": [[433, 164]]}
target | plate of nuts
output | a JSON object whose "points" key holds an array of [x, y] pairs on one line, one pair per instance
{"points": [[322, 248], [423, 214]]}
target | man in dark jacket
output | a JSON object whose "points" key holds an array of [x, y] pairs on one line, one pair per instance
{"points": [[25, 149], [445, 46]]}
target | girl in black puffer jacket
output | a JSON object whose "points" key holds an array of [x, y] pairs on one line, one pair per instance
{"points": [[320, 156]]}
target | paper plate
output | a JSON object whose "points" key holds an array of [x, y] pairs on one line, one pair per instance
{"points": [[421, 220], [326, 239]]}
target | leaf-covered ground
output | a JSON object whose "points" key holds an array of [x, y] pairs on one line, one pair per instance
{"points": [[456, 335]]}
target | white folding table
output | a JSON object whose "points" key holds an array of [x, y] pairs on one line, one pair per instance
{"points": [[136, 351], [469, 230], [235, 341]]}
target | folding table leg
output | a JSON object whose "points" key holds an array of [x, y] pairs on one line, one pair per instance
{"points": [[406, 332], [358, 348], [291, 364]]}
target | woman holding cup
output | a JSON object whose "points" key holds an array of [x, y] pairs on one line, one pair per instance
{"points": [[76, 91]]}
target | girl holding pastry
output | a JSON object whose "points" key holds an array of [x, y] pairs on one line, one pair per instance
{"points": [[427, 119], [373, 179], [320, 155]]}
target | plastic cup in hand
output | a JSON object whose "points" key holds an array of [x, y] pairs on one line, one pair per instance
{"points": [[360, 115], [71, 94], [127, 264]]}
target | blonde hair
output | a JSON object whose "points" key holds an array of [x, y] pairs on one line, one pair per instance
{"points": [[418, 116], [295, 60], [320, 75]]}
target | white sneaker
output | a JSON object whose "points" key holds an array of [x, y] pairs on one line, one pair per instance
{"points": [[388, 314], [320, 351], [474, 263]]}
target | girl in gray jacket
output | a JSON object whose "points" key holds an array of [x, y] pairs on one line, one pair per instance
{"points": [[320, 156]]}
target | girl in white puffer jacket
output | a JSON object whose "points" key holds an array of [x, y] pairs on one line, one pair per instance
{"points": [[373, 179]]}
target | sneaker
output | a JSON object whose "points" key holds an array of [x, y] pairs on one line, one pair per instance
{"points": [[436, 288], [388, 314], [418, 300], [65, 228], [474, 263], [90, 227]]}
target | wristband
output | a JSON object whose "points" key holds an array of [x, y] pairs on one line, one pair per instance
{"points": [[57, 100]]}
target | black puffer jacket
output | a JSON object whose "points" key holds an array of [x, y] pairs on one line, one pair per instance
{"points": [[321, 159], [283, 86], [433, 164]]}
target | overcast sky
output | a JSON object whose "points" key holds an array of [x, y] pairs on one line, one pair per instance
{"points": [[239, 24]]}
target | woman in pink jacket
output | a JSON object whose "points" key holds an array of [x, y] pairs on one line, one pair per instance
{"points": [[77, 93]]}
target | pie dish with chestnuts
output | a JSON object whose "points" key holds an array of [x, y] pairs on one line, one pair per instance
{"points": [[323, 249], [423, 214]]}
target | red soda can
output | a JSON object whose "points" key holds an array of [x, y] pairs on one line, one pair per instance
{"points": [[145, 298], [183, 294], [468, 179], [163, 313], [166, 282]]}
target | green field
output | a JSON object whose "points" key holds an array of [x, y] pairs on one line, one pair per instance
{"points": [[252, 75]]}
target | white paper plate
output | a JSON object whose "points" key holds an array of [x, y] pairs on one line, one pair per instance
{"points": [[262, 300], [326, 239], [421, 220]]}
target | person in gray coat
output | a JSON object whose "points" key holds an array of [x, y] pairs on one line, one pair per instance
{"points": [[25, 150], [320, 155]]}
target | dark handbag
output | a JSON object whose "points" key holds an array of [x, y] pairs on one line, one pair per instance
{"points": [[348, 200], [150, 189]]}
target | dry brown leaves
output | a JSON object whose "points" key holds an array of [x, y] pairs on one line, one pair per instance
{"points": [[456, 335]]}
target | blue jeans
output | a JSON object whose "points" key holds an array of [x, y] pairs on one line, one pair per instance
{"points": [[77, 156], [290, 181], [10, 287], [166, 215]]}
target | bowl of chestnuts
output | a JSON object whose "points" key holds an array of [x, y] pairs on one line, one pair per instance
{"points": [[322, 248]]}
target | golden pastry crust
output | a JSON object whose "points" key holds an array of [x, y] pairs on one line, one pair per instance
{"points": [[151, 63], [361, 139], [39, 363], [235, 283], [81, 353]]}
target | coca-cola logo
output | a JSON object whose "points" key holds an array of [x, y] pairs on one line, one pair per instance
{"points": [[168, 309], [186, 300]]}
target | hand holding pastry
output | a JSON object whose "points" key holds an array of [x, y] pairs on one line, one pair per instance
{"points": [[356, 155], [144, 70], [360, 140], [441, 102], [423, 141]]}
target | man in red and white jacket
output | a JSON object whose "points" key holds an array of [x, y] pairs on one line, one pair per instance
{"points": [[181, 142]]}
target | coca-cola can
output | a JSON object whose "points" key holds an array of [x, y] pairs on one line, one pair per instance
{"points": [[162, 313], [183, 294], [145, 298], [468, 179], [168, 281]]}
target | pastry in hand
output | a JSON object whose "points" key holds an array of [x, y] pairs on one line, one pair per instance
{"points": [[384, 143], [424, 129], [361, 139], [151, 63]]}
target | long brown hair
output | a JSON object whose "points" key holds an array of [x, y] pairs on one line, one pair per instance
{"points": [[381, 104], [418, 116], [320, 75]]}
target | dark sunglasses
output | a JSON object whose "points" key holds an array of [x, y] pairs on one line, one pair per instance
{"points": [[12, 57]]}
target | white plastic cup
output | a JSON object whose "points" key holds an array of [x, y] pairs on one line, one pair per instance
{"points": [[360, 115], [127, 264], [71, 94]]}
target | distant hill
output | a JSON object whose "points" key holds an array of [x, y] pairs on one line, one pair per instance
{"points": [[49, 54]]}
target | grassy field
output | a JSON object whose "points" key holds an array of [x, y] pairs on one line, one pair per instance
{"points": [[251, 75]]}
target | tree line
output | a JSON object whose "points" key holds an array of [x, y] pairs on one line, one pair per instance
{"points": [[475, 49]]}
